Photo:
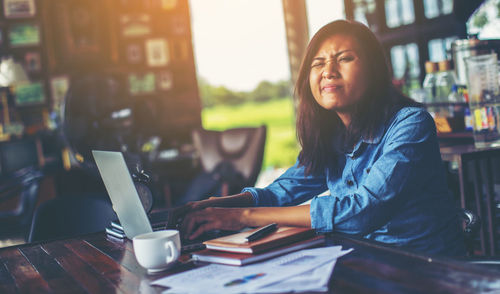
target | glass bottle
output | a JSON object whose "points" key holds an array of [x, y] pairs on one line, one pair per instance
{"points": [[469, 121], [429, 85], [456, 110], [445, 79]]}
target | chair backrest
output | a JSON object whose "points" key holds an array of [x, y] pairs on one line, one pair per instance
{"points": [[20, 177], [472, 225], [16, 155], [242, 147], [70, 216]]}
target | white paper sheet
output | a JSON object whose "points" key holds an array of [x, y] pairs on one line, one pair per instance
{"points": [[216, 278], [315, 280]]}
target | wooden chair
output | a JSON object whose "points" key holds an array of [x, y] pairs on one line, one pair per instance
{"points": [[478, 172], [20, 177], [230, 159]]}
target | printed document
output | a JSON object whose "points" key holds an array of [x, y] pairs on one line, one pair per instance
{"points": [[315, 280], [259, 277]]}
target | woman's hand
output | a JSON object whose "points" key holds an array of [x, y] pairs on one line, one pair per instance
{"points": [[233, 213], [177, 215], [212, 218], [235, 219]]}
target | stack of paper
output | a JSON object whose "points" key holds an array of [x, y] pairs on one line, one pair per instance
{"points": [[305, 270]]}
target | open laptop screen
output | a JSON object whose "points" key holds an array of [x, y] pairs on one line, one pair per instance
{"points": [[122, 192]]}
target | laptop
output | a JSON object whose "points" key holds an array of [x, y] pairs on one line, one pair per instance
{"points": [[127, 204], [122, 192]]}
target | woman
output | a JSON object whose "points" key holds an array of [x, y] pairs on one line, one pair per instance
{"points": [[374, 149]]}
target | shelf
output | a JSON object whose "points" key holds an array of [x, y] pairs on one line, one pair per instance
{"points": [[453, 135], [446, 104]]}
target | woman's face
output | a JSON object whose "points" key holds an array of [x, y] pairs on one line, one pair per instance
{"points": [[338, 76]]}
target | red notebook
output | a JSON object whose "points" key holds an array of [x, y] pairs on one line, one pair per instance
{"points": [[237, 242], [230, 258]]}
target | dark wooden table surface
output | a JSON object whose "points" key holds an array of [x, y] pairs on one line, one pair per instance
{"points": [[97, 264]]}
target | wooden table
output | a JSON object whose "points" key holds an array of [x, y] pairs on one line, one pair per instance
{"points": [[96, 264]]}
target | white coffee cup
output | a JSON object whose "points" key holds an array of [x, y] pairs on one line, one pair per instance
{"points": [[157, 251]]}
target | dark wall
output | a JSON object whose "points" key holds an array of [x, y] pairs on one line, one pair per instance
{"points": [[145, 45]]}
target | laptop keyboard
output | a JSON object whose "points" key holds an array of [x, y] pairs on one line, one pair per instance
{"points": [[158, 218], [159, 221]]}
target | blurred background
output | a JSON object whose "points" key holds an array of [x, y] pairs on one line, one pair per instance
{"points": [[140, 76]]}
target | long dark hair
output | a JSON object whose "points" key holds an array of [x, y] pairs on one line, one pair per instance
{"points": [[317, 127]]}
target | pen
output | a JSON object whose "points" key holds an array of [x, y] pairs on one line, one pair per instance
{"points": [[262, 232]]}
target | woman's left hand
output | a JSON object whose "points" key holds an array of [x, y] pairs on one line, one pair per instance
{"points": [[212, 218]]}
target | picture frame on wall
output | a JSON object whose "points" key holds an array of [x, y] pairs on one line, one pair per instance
{"points": [[59, 86], [32, 62], [135, 53], [179, 25], [168, 4], [157, 53], [181, 48], [19, 8], [29, 93], [78, 31], [161, 4], [135, 25], [24, 34], [142, 83], [165, 80]]}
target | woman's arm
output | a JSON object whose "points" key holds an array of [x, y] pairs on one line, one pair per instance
{"points": [[211, 218], [291, 188], [238, 200], [177, 215]]}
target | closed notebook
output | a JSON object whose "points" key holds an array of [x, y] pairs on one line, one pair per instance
{"points": [[231, 258], [238, 243]]}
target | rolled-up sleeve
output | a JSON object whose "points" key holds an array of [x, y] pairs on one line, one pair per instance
{"points": [[322, 213], [291, 188], [408, 154]]}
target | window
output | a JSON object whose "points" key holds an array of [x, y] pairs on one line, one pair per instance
{"points": [[413, 60], [391, 13], [447, 6], [405, 61], [439, 49], [414, 31], [406, 66], [435, 8], [398, 60], [364, 12], [436, 50], [321, 12], [399, 12], [431, 9], [407, 11]]}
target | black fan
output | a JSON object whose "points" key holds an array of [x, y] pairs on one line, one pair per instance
{"points": [[97, 114]]}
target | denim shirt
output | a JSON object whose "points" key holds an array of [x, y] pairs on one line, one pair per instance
{"points": [[391, 188]]}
